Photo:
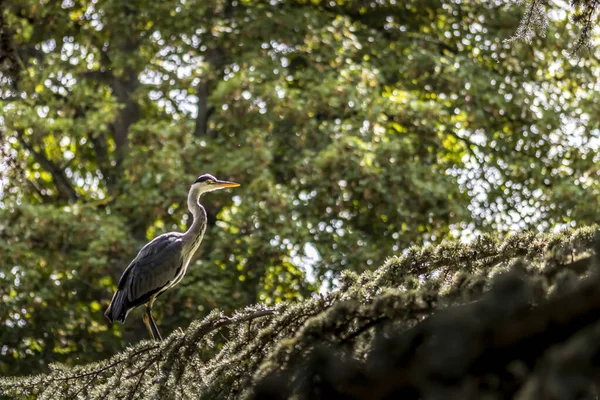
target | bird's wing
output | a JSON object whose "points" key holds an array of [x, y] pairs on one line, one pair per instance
{"points": [[155, 266]]}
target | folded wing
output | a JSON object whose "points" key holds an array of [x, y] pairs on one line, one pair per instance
{"points": [[153, 270]]}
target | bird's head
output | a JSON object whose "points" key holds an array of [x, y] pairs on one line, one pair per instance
{"points": [[208, 183]]}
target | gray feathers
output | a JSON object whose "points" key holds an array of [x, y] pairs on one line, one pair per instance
{"points": [[156, 266], [117, 310]]}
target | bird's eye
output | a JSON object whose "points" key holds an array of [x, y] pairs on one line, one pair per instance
{"points": [[209, 181]]}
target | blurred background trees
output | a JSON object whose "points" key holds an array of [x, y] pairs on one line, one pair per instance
{"points": [[356, 131]]}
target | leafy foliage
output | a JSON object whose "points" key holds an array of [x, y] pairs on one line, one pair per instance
{"points": [[356, 132], [486, 312], [49, 293]]}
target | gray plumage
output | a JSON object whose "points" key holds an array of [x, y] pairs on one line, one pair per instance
{"points": [[150, 272], [162, 263]]}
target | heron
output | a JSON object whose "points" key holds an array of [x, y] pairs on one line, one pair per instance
{"points": [[162, 263]]}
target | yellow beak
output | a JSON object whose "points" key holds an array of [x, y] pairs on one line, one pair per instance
{"points": [[226, 184]]}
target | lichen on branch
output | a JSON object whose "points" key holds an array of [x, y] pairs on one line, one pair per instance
{"points": [[431, 323]]}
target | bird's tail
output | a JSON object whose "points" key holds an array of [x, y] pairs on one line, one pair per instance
{"points": [[117, 310]]}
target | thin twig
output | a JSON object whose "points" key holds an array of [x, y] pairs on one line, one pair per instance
{"points": [[83, 387], [231, 320], [106, 367], [135, 388], [144, 368]]}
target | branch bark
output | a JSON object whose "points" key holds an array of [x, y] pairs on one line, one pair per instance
{"points": [[204, 110], [216, 61], [123, 89], [103, 160]]}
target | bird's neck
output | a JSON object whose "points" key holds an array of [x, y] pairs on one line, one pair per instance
{"points": [[199, 213]]}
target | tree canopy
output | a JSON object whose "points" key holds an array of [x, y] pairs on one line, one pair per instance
{"points": [[356, 131]]}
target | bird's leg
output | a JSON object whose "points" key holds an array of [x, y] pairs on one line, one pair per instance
{"points": [[155, 332], [147, 323]]}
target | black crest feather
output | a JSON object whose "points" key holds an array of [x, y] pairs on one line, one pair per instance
{"points": [[205, 177]]}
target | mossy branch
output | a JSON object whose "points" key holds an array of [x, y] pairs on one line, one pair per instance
{"points": [[435, 319]]}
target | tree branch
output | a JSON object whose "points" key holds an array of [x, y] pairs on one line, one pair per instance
{"points": [[98, 139], [128, 115], [523, 335], [34, 185], [215, 58], [98, 75], [204, 111], [63, 185]]}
